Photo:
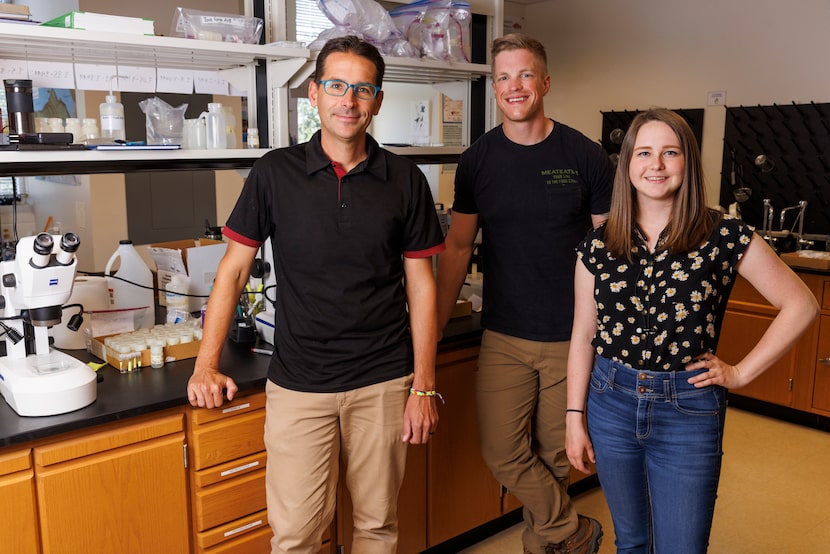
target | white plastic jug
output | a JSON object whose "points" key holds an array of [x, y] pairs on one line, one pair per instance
{"points": [[138, 292]]}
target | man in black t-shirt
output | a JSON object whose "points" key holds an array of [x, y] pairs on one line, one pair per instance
{"points": [[535, 187], [353, 228]]}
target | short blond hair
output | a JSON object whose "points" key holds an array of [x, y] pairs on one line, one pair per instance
{"points": [[520, 41]]}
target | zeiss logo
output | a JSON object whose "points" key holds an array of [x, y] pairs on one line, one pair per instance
{"points": [[53, 282]]}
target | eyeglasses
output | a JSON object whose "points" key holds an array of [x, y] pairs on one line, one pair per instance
{"points": [[336, 87]]}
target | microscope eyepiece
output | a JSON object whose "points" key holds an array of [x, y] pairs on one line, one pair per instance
{"points": [[70, 242], [42, 247], [69, 245], [43, 244]]}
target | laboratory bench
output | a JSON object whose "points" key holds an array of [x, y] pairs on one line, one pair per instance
{"points": [[186, 479], [121, 396]]}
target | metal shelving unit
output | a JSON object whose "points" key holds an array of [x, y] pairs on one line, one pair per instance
{"points": [[238, 61]]}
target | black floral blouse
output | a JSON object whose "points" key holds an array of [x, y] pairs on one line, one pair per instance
{"points": [[663, 310]]}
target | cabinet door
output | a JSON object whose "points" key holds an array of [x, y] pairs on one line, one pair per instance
{"points": [[741, 331], [462, 493], [821, 387], [131, 499], [18, 533]]}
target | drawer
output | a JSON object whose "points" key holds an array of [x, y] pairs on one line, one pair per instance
{"points": [[258, 541], [230, 470], [230, 500], [224, 441], [825, 296], [239, 406], [240, 528], [15, 460]]}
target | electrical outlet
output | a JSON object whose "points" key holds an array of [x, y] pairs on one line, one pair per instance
{"points": [[716, 98]]}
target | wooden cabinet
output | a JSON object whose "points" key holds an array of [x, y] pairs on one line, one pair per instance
{"points": [[799, 379], [461, 491], [820, 399], [227, 461], [120, 489], [19, 532]]}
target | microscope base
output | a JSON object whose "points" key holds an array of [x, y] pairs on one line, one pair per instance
{"points": [[45, 385]]}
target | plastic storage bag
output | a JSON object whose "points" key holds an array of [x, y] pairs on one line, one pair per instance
{"points": [[222, 27], [364, 18], [437, 29], [165, 124]]}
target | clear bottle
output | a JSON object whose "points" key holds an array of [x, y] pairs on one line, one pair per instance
{"points": [[217, 137], [112, 119]]}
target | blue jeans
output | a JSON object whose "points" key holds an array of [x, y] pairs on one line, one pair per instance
{"points": [[658, 442]]}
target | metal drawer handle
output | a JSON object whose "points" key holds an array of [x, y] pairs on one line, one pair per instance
{"points": [[238, 469], [236, 408], [824, 361], [251, 525]]}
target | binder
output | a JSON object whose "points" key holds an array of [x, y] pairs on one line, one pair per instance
{"points": [[103, 22]]}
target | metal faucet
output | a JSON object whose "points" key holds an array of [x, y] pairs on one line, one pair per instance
{"points": [[799, 220], [767, 216]]}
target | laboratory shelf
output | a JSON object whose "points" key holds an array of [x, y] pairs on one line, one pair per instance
{"points": [[38, 43]]}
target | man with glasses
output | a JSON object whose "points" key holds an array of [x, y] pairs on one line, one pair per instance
{"points": [[353, 228]]}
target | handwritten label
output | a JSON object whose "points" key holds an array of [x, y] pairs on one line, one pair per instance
{"points": [[174, 80], [96, 77], [51, 74]]}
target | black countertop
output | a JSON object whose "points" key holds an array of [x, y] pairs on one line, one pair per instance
{"points": [[127, 395]]}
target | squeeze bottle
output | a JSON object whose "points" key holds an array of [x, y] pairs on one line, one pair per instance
{"points": [[112, 119], [138, 293]]}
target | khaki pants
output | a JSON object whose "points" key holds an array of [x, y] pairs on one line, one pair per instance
{"points": [[521, 396], [305, 436]]}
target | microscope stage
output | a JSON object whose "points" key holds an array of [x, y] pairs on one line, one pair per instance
{"points": [[49, 384]]}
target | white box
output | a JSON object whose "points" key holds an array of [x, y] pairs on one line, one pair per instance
{"points": [[198, 261]]}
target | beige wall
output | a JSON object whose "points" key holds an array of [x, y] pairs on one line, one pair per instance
{"points": [[635, 54]]}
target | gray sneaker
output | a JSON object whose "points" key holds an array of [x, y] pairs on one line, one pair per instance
{"points": [[585, 540]]}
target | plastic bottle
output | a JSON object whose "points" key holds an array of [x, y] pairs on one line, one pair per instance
{"points": [[112, 119], [124, 295], [253, 137], [178, 305], [89, 130], [215, 127], [230, 127], [73, 125]]}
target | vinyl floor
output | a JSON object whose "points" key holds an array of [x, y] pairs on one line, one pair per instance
{"points": [[774, 493]]}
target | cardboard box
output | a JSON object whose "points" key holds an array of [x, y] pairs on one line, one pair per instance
{"points": [[198, 262], [462, 308], [171, 353]]}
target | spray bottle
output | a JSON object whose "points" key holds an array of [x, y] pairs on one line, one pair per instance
{"points": [[112, 118]]}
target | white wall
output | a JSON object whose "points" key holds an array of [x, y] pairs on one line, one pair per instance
{"points": [[634, 54]]}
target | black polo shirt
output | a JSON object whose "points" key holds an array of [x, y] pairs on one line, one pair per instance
{"points": [[338, 244]]}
